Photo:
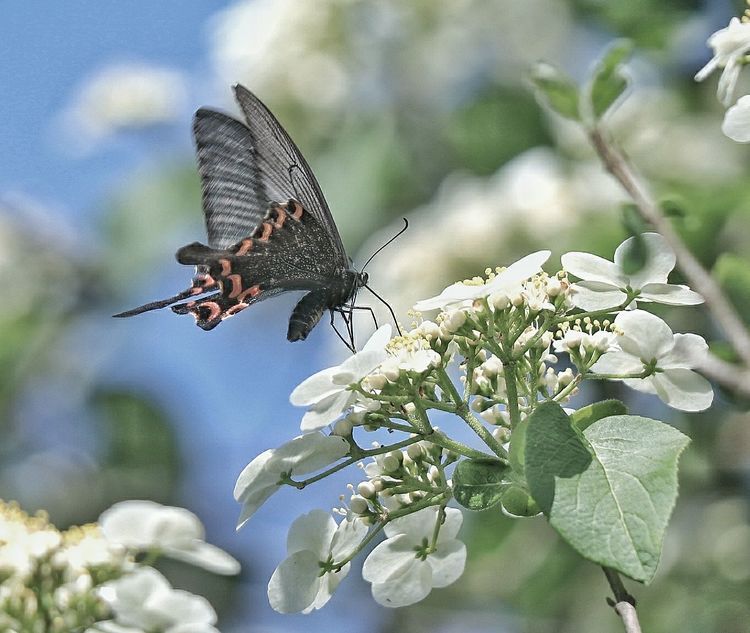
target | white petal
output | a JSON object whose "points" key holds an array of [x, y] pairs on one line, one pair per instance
{"points": [[313, 532], [295, 583], [254, 485], [315, 388], [325, 412], [645, 334], [447, 562], [736, 123], [192, 628], [357, 366], [521, 270], [644, 385], [379, 338], [413, 585], [617, 363], [728, 81], [128, 522], [349, 535], [454, 294], [670, 294], [593, 268], [660, 260], [206, 556], [596, 295], [707, 69], [684, 389], [389, 558], [328, 584], [179, 607], [307, 453], [689, 351]]}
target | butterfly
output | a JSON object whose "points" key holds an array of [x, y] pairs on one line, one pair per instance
{"points": [[269, 227]]}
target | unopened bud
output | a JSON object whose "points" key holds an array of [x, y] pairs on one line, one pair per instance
{"points": [[358, 505], [366, 489], [343, 428]]}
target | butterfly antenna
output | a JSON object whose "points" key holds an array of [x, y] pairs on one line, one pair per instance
{"points": [[399, 234], [387, 305]]}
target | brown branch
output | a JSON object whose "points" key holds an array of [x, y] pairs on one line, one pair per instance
{"points": [[624, 603], [699, 278]]}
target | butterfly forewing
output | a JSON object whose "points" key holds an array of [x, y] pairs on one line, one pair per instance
{"points": [[281, 164]]}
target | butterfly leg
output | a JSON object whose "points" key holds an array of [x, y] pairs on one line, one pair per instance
{"points": [[349, 345], [370, 310]]}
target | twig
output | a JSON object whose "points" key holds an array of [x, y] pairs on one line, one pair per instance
{"points": [[699, 278], [624, 603]]}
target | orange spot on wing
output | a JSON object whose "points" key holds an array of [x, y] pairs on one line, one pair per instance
{"points": [[236, 285], [213, 308], [226, 267], [280, 217], [295, 208], [245, 246], [252, 292], [235, 309], [266, 230]]}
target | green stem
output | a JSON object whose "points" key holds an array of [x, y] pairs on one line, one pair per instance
{"points": [[592, 376], [442, 440], [361, 454], [462, 410], [543, 328], [511, 388]]}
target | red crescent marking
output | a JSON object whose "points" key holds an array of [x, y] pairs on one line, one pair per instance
{"points": [[226, 267], [214, 308], [252, 291], [267, 228], [245, 246], [235, 309], [280, 217], [196, 290], [297, 214], [236, 285]]}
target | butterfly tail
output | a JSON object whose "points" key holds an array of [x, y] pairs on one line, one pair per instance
{"points": [[155, 305]]}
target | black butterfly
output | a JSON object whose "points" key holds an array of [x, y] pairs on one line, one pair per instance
{"points": [[269, 227]]}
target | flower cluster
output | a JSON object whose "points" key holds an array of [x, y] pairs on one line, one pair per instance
{"points": [[731, 45], [88, 577], [519, 337]]}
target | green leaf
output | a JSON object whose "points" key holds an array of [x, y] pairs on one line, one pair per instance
{"points": [[609, 81], [586, 416], [608, 491], [518, 502], [559, 91], [478, 484]]}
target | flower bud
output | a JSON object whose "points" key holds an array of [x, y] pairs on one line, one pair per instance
{"points": [[391, 463], [454, 320], [366, 489], [343, 428], [499, 300], [415, 451], [492, 367], [358, 505], [501, 434], [553, 287], [376, 381], [433, 474], [410, 408]]}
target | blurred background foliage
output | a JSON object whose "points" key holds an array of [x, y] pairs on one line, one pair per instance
{"points": [[415, 109]]}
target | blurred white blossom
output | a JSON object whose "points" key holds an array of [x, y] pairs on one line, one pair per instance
{"points": [[730, 44], [124, 96], [144, 600], [174, 532], [736, 123]]}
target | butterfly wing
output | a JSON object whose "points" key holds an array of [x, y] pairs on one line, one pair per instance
{"points": [[281, 165], [245, 167]]}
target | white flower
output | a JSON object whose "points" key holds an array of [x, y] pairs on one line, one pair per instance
{"points": [[736, 123], [145, 601], [327, 393], [507, 281], [174, 532], [300, 583], [647, 343], [262, 476], [125, 96], [606, 285], [89, 549], [403, 570], [730, 45]]}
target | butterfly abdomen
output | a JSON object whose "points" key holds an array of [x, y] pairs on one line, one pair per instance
{"points": [[306, 315]]}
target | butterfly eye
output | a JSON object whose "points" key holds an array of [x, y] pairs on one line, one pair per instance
{"points": [[363, 279]]}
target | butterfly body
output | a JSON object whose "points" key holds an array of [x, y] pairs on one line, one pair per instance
{"points": [[269, 227]]}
